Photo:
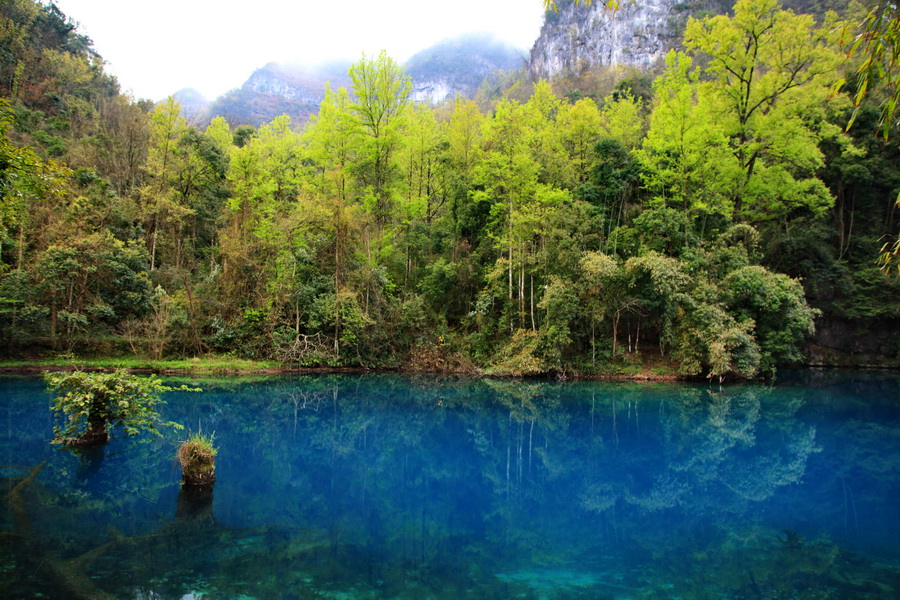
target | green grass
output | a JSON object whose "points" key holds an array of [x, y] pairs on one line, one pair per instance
{"points": [[229, 368], [647, 366], [202, 441], [213, 365]]}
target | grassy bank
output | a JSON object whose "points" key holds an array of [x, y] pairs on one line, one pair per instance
{"points": [[207, 365], [637, 368]]}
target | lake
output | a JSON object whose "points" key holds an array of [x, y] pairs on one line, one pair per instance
{"points": [[385, 486]]}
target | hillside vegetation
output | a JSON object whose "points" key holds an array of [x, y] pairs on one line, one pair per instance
{"points": [[709, 227]]}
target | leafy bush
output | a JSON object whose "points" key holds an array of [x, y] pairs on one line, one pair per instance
{"points": [[777, 306], [706, 339], [88, 404], [517, 357]]}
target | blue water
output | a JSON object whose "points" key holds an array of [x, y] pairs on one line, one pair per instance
{"points": [[364, 487]]}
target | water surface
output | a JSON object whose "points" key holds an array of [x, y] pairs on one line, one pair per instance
{"points": [[358, 487]]}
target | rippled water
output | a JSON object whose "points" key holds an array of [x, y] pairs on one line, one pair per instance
{"points": [[357, 487]]}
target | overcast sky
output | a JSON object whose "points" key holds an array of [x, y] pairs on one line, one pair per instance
{"points": [[157, 48]]}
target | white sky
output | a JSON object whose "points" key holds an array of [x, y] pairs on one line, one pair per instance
{"points": [[157, 48]]}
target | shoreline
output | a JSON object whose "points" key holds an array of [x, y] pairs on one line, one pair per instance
{"points": [[643, 375], [39, 368]]}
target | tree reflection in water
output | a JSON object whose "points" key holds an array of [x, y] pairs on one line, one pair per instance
{"points": [[395, 487]]}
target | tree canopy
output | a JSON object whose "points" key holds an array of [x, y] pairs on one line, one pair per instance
{"points": [[700, 222], [88, 404]]}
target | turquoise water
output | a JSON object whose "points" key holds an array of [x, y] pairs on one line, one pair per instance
{"points": [[364, 487]]}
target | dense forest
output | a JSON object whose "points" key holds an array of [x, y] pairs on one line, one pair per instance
{"points": [[708, 219]]}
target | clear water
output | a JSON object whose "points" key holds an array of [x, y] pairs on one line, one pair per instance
{"points": [[364, 487]]}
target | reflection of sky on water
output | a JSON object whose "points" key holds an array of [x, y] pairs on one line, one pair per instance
{"points": [[385, 486]]}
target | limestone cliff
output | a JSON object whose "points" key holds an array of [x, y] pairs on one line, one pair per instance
{"points": [[299, 84], [459, 66], [580, 37], [273, 90], [577, 38]]}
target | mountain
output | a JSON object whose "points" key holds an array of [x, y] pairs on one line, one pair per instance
{"points": [[451, 67], [458, 66], [194, 106], [275, 89], [580, 37], [301, 84]]}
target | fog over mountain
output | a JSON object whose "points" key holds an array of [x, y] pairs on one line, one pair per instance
{"points": [[572, 41], [440, 72], [459, 66]]}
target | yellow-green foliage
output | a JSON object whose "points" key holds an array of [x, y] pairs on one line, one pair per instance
{"points": [[541, 229], [98, 400], [518, 356]]}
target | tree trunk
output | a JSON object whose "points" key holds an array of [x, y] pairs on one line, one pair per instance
{"points": [[533, 324], [615, 334], [96, 434]]}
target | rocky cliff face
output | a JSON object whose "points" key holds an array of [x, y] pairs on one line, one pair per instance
{"points": [[306, 86], [459, 66], [275, 90], [267, 81], [580, 37], [639, 34]]}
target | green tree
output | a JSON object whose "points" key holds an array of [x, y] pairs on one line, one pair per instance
{"points": [[707, 339], [24, 179], [561, 305], [606, 294], [741, 137], [330, 215], [87, 405], [613, 185], [424, 157], [117, 148], [685, 155], [877, 41], [465, 138], [259, 243], [775, 305], [220, 132], [381, 96], [580, 125], [543, 136], [623, 119], [88, 282], [508, 177], [771, 71], [465, 134], [162, 209]]}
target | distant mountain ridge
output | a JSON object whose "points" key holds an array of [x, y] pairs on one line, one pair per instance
{"points": [[305, 85], [276, 89], [451, 67], [458, 66], [572, 41]]}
